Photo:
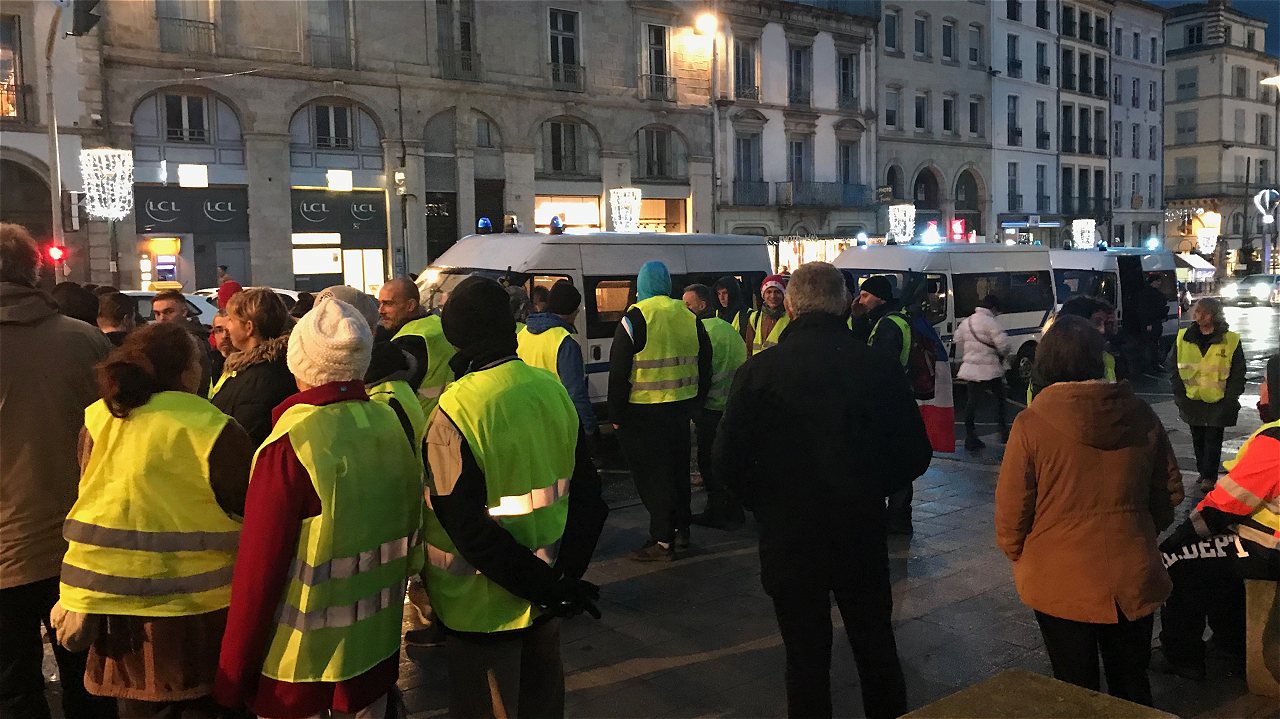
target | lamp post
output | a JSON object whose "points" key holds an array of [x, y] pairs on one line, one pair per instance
{"points": [[55, 169], [707, 24]]}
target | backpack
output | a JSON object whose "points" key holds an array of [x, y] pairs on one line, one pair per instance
{"points": [[922, 357]]}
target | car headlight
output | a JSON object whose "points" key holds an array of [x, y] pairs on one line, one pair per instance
{"points": [[1231, 290], [1260, 291]]}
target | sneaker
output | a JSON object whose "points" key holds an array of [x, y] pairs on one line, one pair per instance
{"points": [[652, 551], [681, 539], [430, 637], [1160, 663], [973, 444]]}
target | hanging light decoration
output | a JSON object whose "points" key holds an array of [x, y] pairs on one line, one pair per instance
{"points": [[902, 222], [1082, 232], [624, 208], [108, 182]]}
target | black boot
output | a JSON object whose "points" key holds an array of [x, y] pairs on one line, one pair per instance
{"points": [[972, 443]]}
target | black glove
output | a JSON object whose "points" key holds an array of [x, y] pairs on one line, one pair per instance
{"points": [[570, 597], [1182, 536]]}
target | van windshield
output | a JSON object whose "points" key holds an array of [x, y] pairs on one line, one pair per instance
{"points": [[1085, 283], [435, 284]]}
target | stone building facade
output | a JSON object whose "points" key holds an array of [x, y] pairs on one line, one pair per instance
{"points": [[1137, 123]]}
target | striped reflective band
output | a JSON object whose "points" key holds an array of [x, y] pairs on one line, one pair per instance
{"points": [[76, 531], [668, 362], [1257, 535], [665, 384], [347, 567], [74, 576], [344, 616], [1197, 521], [430, 392], [1244, 496], [457, 566], [526, 503], [766, 343]]}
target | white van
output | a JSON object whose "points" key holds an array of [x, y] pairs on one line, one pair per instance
{"points": [[957, 276], [1120, 276], [603, 265]]}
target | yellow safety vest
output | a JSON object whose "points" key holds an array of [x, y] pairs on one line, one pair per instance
{"points": [[218, 384], [763, 343], [439, 352], [901, 321], [543, 349], [400, 390], [340, 614], [728, 353], [523, 430], [666, 370], [1205, 376], [146, 535]]}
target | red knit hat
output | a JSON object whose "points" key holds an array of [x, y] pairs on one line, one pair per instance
{"points": [[778, 281], [225, 291]]}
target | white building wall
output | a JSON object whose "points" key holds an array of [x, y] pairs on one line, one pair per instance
{"points": [[1141, 214]]}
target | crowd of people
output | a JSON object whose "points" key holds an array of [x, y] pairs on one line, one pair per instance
{"points": [[227, 522]]}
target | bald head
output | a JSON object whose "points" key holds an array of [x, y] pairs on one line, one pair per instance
{"points": [[398, 303]]}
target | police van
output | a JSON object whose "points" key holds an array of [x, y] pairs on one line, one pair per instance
{"points": [[603, 265], [1121, 276], [956, 276]]}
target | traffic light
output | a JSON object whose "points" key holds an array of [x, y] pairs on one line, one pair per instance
{"points": [[55, 254], [83, 19]]}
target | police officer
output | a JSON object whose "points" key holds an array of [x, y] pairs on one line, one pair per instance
{"points": [[515, 515], [401, 313], [659, 374], [727, 355], [1208, 379]]}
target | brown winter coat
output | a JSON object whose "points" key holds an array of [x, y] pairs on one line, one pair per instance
{"points": [[46, 381], [1088, 481]]}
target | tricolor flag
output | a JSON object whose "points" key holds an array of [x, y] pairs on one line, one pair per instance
{"points": [[938, 413]]}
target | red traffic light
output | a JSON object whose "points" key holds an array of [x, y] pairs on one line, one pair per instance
{"points": [[56, 253]]}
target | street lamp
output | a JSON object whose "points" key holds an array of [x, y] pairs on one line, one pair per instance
{"points": [[706, 24]]}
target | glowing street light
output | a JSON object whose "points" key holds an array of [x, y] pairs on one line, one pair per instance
{"points": [[706, 24]]}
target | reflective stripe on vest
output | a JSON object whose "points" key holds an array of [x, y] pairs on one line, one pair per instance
{"points": [[1268, 512], [339, 615], [775, 333], [903, 328], [728, 352], [439, 352], [522, 429], [1205, 376], [146, 536], [666, 370]]}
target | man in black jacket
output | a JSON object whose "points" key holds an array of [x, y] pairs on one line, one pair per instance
{"points": [[843, 433]]}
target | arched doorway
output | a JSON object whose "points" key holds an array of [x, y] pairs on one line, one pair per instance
{"points": [[927, 194], [26, 198], [968, 203]]}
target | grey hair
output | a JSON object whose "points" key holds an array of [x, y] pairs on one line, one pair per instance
{"points": [[817, 287], [19, 255], [1213, 306]]}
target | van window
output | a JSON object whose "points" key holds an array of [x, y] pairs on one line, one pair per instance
{"points": [[1018, 291], [1085, 283], [607, 300], [933, 301]]}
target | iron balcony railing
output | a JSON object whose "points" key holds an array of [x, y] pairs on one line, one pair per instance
{"points": [[855, 195], [1015, 68], [1015, 136], [190, 37], [460, 65], [658, 87], [1068, 143], [332, 51], [746, 92], [1100, 87], [1068, 81], [1015, 203], [1042, 140], [1101, 36], [13, 101], [1042, 19], [848, 100], [810, 194], [750, 193], [1042, 74], [1100, 148], [1042, 203], [1084, 206], [1196, 190], [186, 134], [800, 94], [567, 77]]}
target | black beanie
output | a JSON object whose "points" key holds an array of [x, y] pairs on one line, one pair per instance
{"points": [[564, 298], [879, 286], [477, 320]]}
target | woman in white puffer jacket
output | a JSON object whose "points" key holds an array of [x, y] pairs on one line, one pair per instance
{"points": [[983, 345]]}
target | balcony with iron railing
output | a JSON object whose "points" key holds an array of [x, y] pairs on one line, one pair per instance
{"points": [[1185, 189], [746, 92], [1015, 136], [800, 94], [809, 194], [1015, 68], [1068, 143], [1086, 31], [750, 193], [1100, 148], [567, 77], [1069, 26], [1042, 203], [1068, 81], [1086, 82], [1042, 140], [186, 134], [1015, 202], [855, 195], [1095, 207], [1101, 35], [1042, 19], [13, 102], [1100, 87], [848, 99], [332, 51], [658, 87], [190, 37], [1042, 74], [460, 65]]}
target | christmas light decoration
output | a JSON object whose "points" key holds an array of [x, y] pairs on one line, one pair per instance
{"points": [[108, 182], [624, 208], [902, 222], [1082, 232]]}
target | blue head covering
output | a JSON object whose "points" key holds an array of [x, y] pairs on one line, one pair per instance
{"points": [[654, 280]]}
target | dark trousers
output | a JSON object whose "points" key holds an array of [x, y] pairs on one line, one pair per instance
{"points": [[993, 387], [860, 583], [721, 504], [1207, 442], [23, 609], [518, 675], [1073, 649], [655, 440], [899, 506], [1205, 587]]}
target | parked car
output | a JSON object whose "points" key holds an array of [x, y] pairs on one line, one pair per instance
{"points": [[200, 309], [288, 297], [1253, 290]]}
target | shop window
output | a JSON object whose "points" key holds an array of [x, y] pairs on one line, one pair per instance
{"points": [[11, 88], [185, 118], [333, 126], [580, 213], [317, 261]]}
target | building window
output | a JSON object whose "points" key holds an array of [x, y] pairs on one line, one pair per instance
{"points": [[744, 69], [747, 158], [975, 45], [1068, 21], [656, 151], [12, 97], [1042, 130], [1042, 63], [922, 113], [975, 117], [921, 46], [1195, 34], [799, 74], [1264, 171], [484, 132], [565, 69], [1184, 171], [1151, 96], [1185, 129], [1137, 46], [1226, 34], [1133, 93], [563, 143], [1011, 54], [850, 173], [948, 115], [1151, 190], [1042, 14], [1186, 81], [1067, 70], [1117, 138], [1151, 142], [1013, 10], [1134, 133], [1119, 42], [948, 40], [1264, 129], [1238, 86], [893, 30], [1250, 39], [892, 108], [1116, 180], [1115, 90], [1015, 130], [1154, 50], [847, 77], [1133, 185], [185, 120], [1015, 200], [659, 85], [1042, 197], [1239, 125], [800, 158]]}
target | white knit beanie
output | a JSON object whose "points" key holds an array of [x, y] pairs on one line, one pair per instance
{"points": [[331, 343]]}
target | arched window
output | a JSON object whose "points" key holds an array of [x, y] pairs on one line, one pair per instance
{"points": [[568, 146], [659, 155], [894, 180], [186, 125]]}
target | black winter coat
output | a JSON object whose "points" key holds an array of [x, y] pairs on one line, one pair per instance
{"points": [[262, 381]]}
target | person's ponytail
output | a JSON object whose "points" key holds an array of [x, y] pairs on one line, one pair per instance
{"points": [[151, 360]]}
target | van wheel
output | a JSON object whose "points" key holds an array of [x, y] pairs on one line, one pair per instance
{"points": [[1023, 363]]}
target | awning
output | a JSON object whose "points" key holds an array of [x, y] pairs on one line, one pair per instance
{"points": [[1201, 269]]}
